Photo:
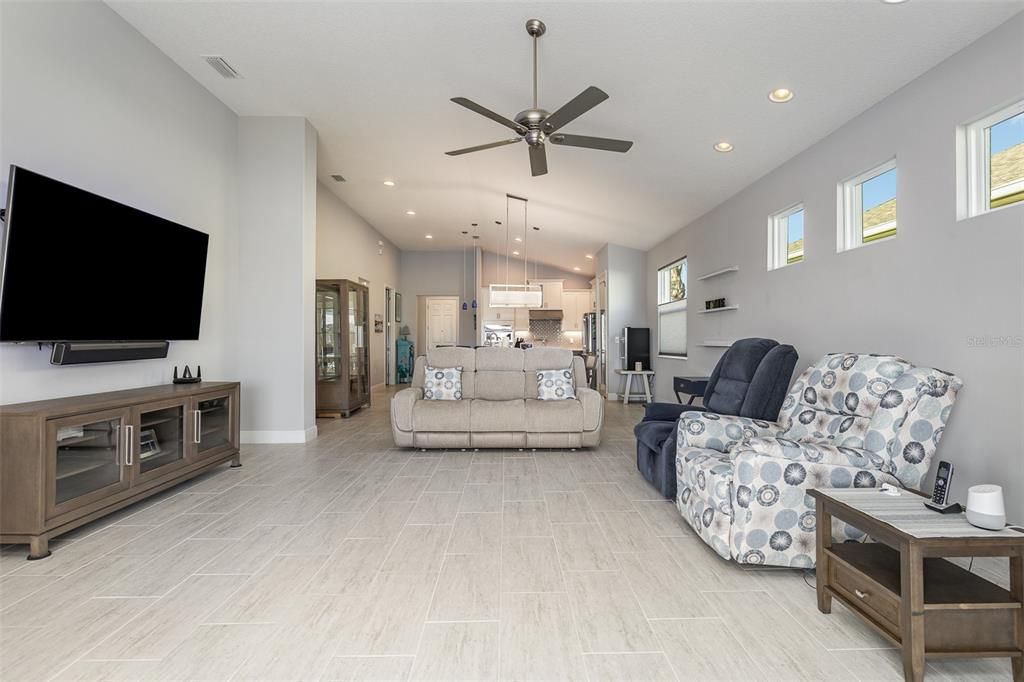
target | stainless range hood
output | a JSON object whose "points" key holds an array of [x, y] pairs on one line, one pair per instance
{"points": [[545, 314]]}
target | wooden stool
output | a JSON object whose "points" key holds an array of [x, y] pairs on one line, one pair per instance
{"points": [[645, 384]]}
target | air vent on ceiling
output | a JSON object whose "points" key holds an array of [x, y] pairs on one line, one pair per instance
{"points": [[338, 178], [221, 66]]}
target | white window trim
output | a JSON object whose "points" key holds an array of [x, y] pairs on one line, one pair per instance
{"points": [[972, 163], [850, 226], [662, 293], [778, 239]]}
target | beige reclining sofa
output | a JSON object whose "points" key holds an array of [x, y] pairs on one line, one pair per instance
{"points": [[499, 406]]}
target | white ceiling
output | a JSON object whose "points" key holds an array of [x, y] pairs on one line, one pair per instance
{"points": [[375, 80]]}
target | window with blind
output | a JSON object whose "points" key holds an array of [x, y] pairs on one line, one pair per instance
{"points": [[672, 309]]}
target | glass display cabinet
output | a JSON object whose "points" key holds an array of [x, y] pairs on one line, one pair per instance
{"points": [[342, 347]]}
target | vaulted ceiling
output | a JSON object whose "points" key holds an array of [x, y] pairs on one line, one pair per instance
{"points": [[375, 79]]}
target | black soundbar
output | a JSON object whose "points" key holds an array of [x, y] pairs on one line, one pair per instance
{"points": [[82, 352]]}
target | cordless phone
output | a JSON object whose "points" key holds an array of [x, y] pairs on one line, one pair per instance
{"points": [[943, 479]]}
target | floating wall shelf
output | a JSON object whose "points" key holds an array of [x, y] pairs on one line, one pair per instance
{"points": [[716, 273], [716, 343], [720, 310]]}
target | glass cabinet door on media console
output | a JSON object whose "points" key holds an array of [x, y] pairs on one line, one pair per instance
{"points": [[212, 431], [161, 440], [86, 460]]}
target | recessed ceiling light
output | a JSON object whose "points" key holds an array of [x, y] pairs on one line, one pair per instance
{"points": [[589, 257], [515, 253], [389, 183], [893, 2], [410, 213], [429, 236], [780, 95], [723, 147], [576, 268], [519, 239]]}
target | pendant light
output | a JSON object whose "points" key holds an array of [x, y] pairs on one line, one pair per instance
{"points": [[465, 305], [475, 283], [510, 295]]}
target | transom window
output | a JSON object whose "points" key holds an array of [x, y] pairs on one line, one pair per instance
{"points": [[786, 237], [672, 309], [867, 207], [990, 156]]}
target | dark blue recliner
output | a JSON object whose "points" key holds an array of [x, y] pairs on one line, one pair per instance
{"points": [[750, 380]]}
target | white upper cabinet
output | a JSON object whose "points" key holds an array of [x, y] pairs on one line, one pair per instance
{"points": [[552, 296], [575, 303]]}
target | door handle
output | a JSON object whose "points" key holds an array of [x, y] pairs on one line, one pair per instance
{"points": [[197, 426], [129, 433]]}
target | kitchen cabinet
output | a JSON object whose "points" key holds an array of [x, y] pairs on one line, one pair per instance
{"points": [[521, 322], [575, 302], [551, 297]]}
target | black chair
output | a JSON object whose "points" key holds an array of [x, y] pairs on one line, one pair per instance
{"points": [[750, 380]]}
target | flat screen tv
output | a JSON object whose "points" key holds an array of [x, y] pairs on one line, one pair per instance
{"points": [[79, 267]]}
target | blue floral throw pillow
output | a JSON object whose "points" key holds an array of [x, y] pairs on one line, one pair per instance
{"points": [[443, 383], [555, 384]]}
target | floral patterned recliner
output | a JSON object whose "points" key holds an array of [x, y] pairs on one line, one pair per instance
{"points": [[848, 421]]}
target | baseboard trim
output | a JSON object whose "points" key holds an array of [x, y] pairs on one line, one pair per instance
{"points": [[273, 437]]}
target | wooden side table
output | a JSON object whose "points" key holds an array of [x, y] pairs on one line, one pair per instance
{"points": [[902, 587], [645, 384]]}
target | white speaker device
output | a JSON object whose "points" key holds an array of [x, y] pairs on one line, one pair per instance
{"points": [[985, 507]]}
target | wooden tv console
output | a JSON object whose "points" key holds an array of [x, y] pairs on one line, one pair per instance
{"points": [[69, 461]]}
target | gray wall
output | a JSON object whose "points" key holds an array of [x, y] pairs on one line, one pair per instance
{"points": [[437, 273], [923, 295], [493, 272], [273, 317], [347, 248], [88, 100], [627, 303]]}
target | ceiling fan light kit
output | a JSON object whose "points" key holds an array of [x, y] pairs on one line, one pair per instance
{"points": [[536, 126]]}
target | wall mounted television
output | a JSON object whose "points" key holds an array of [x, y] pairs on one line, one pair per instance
{"points": [[80, 267]]}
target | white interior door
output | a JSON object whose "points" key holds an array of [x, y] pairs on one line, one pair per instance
{"points": [[442, 322]]}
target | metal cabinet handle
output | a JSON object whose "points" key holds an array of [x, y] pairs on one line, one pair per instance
{"points": [[197, 426], [129, 433], [860, 594]]}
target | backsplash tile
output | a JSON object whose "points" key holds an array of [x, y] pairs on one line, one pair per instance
{"points": [[549, 333]]}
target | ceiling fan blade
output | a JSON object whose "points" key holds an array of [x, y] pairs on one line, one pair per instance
{"points": [[576, 107], [538, 160], [484, 111], [481, 147], [604, 143]]}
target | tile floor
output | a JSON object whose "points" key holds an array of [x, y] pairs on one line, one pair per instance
{"points": [[346, 559]]}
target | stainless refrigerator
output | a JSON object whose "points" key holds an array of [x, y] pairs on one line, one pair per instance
{"points": [[593, 350]]}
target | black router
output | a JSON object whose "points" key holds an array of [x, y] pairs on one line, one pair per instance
{"points": [[186, 376]]}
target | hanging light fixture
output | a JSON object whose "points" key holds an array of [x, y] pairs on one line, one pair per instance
{"points": [[465, 305], [510, 295], [476, 284]]}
